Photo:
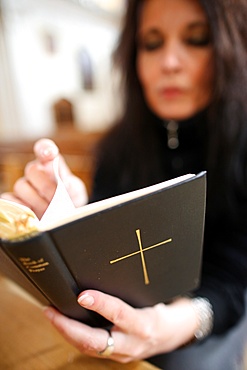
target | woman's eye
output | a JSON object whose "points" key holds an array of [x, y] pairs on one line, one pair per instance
{"points": [[151, 43], [198, 38], [198, 41]]}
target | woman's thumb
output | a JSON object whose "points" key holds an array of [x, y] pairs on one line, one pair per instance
{"points": [[45, 150]]}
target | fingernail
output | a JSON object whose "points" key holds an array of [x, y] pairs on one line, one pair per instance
{"points": [[86, 300], [47, 152], [48, 313]]}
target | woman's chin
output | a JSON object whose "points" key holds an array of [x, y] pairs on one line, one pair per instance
{"points": [[178, 116]]}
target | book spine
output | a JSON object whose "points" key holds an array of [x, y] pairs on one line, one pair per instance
{"points": [[40, 261]]}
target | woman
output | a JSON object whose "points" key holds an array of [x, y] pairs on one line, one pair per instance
{"points": [[184, 66]]}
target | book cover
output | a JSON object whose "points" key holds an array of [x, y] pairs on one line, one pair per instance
{"points": [[144, 248]]}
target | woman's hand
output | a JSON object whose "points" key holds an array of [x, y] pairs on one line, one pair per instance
{"points": [[38, 185], [137, 333]]}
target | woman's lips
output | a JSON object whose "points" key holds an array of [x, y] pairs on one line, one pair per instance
{"points": [[171, 92]]}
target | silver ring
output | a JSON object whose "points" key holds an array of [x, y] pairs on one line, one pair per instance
{"points": [[109, 346]]}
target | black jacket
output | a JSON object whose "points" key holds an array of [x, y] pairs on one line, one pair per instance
{"points": [[124, 164]]}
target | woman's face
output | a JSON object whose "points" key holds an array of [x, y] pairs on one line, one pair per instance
{"points": [[175, 57]]}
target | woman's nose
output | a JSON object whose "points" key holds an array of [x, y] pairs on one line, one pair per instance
{"points": [[171, 60]]}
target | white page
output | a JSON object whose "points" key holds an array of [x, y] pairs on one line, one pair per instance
{"points": [[61, 210], [61, 205]]}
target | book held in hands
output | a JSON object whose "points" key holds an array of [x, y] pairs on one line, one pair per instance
{"points": [[144, 246]]}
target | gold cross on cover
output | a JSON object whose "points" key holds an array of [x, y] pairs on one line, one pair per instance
{"points": [[141, 252]]}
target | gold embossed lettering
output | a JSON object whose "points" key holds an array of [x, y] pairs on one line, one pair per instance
{"points": [[34, 265]]}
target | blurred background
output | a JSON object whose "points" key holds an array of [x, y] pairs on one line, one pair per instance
{"points": [[56, 78], [52, 49]]}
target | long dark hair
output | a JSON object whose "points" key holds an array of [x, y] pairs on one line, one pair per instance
{"points": [[228, 111], [227, 114]]}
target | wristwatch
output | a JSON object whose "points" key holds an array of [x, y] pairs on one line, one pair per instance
{"points": [[204, 312]]}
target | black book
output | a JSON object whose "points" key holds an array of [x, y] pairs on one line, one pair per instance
{"points": [[144, 247]]}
